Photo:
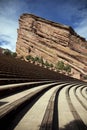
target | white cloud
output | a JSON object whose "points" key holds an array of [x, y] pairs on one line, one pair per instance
{"points": [[8, 25], [81, 28], [8, 32], [9, 14]]}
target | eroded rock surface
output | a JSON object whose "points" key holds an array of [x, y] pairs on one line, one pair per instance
{"points": [[52, 41]]}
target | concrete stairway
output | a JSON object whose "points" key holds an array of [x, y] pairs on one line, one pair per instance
{"points": [[44, 105], [34, 98]]}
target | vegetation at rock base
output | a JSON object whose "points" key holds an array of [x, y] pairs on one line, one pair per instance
{"points": [[47, 64], [36, 59], [51, 65], [39, 60], [7, 52], [29, 57], [85, 77], [14, 54], [67, 68], [60, 66]]}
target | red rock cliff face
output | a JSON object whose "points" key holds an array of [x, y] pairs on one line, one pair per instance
{"points": [[52, 41]]}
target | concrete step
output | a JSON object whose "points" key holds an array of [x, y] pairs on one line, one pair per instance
{"points": [[6, 81], [6, 90]]}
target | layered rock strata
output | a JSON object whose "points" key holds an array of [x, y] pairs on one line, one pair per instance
{"points": [[52, 41]]}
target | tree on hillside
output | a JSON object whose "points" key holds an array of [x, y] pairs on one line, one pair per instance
{"points": [[60, 65], [29, 57], [47, 64], [41, 61], [51, 65], [14, 54], [67, 68], [7, 52], [85, 77], [36, 58]]}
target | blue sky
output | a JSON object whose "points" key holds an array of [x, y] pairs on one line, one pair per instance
{"points": [[69, 12]]}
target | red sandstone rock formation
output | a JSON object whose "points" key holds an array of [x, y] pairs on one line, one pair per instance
{"points": [[52, 41]]}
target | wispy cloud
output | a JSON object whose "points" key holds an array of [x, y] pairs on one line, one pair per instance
{"points": [[80, 25], [9, 14], [81, 28], [8, 32], [6, 42], [8, 25], [3, 42]]}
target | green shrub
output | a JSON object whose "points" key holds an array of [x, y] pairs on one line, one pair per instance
{"points": [[29, 57], [67, 68], [85, 77], [7, 52], [36, 59], [14, 54], [41, 61], [33, 59], [47, 64], [60, 65], [51, 65]]}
